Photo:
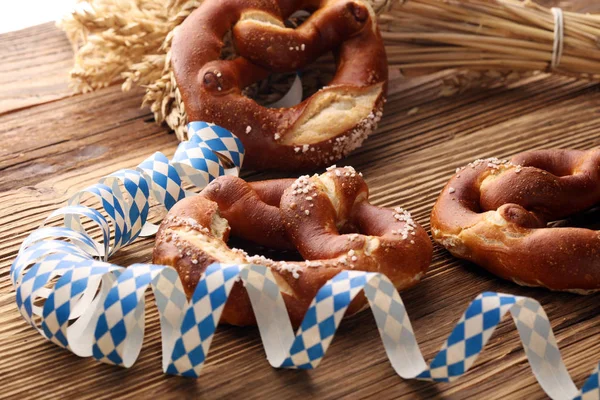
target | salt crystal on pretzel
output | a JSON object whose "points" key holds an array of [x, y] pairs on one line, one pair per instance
{"points": [[333, 229], [321, 129], [497, 214]]}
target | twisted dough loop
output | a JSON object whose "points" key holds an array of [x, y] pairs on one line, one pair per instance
{"points": [[316, 132], [495, 214], [319, 216]]}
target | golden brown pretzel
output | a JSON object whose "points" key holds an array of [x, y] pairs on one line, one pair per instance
{"points": [[316, 132], [495, 213], [327, 218]]}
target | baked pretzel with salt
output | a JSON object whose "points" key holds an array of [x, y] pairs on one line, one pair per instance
{"points": [[318, 131], [496, 214], [327, 218]]}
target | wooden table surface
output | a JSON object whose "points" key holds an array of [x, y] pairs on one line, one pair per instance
{"points": [[55, 142]]}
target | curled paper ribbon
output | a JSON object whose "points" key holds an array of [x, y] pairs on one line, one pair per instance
{"points": [[94, 308]]}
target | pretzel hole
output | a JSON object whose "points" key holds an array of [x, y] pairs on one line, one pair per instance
{"points": [[297, 18], [254, 249], [314, 76], [589, 219], [228, 51]]}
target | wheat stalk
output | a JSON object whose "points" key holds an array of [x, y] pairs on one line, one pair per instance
{"points": [[490, 42]]}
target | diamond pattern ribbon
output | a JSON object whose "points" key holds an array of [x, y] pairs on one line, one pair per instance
{"points": [[67, 290]]}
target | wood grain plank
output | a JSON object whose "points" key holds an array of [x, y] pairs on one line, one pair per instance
{"points": [[34, 67], [51, 150]]}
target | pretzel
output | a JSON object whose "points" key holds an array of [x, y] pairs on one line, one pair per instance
{"points": [[327, 218], [496, 214], [321, 129]]}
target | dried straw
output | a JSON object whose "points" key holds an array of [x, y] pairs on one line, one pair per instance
{"points": [[129, 41], [489, 41], [482, 35]]}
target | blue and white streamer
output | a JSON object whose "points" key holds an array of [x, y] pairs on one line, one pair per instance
{"points": [[67, 290]]}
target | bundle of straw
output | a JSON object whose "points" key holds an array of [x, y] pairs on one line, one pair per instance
{"points": [[430, 35], [129, 41]]}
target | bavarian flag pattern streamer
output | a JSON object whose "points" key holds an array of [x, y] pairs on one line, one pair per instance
{"points": [[66, 288]]}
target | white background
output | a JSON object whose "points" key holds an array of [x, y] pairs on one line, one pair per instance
{"points": [[19, 14]]}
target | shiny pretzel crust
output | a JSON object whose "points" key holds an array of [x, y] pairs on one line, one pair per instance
{"points": [[307, 214], [495, 214], [315, 133]]}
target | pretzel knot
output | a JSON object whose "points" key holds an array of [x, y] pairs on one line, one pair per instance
{"points": [[326, 218], [496, 214], [321, 129]]}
